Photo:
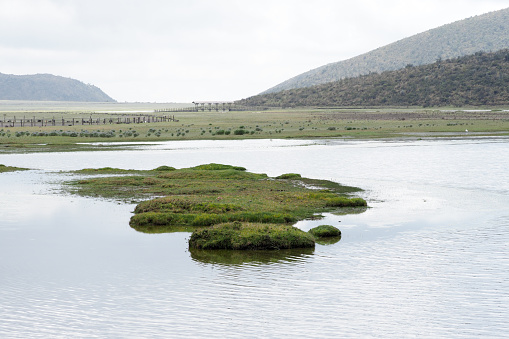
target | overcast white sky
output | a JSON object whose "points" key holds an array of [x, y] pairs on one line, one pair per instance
{"points": [[186, 50]]}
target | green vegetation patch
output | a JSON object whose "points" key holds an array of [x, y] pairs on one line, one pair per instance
{"points": [[214, 194], [4, 168], [218, 167], [327, 186], [145, 222], [103, 170], [325, 231], [238, 236], [164, 169], [289, 176], [184, 206]]}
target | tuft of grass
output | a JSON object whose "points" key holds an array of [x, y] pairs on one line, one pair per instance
{"points": [[330, 186], [4, 169], [333, 200], [325, 231], [289, 176], [164, 169], [218, 167], [345, 202], [103, 170], [239, 236]]}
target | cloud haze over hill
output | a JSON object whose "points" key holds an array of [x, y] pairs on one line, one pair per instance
{"points": [[205, 50]]}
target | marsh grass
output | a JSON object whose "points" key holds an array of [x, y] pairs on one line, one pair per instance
{"points": [[164, 169], [248, 236], [4, 168], [289, 176], [327, 186], [216, 194], [104, 170], [340, 122], [325, 231]]}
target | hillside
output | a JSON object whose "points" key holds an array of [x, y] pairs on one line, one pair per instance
{"points": [[488, 32], [47, 87], [478, 79]]}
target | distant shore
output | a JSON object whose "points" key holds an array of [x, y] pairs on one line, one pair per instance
{"points": [[304, 123]]}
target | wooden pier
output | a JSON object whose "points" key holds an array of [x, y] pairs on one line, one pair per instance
{"points": [[202, 106], [213, 106], [209, 106]]}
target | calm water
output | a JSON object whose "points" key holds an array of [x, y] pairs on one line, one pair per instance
{"points": [[429, 259]]}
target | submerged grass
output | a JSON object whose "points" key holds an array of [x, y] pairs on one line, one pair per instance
{"points": [[215, 194], [4, 169]]}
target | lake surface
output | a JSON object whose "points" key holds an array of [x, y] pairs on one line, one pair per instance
{"points": [[430, 258]]}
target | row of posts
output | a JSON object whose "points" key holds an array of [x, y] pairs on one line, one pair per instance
{"points": [[82, 121]]}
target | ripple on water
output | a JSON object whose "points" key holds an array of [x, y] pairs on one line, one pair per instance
{"points": [[429, 259]]}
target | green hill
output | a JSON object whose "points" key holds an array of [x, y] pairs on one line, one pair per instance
{"points": [[478, 79], [488, 33], [47, 87]]}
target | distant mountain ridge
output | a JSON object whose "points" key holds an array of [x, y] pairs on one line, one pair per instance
{"points": [[474, 80], [488, 32], [48, 87]]}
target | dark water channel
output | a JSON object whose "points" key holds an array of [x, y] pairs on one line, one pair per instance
{"points": [[430, 258]]}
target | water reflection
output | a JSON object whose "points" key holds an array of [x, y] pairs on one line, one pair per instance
{"points": [[428, 259], [151, 229], [332, 219], [328, 241], [234, 258]]}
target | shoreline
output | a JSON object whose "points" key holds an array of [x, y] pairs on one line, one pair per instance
{"points": [[301, 124]]}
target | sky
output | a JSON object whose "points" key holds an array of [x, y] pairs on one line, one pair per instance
{"points": [[198, 50]]}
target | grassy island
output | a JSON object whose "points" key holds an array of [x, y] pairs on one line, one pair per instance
{"points": [[239, 236], [226, 206], [325, 231]]}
